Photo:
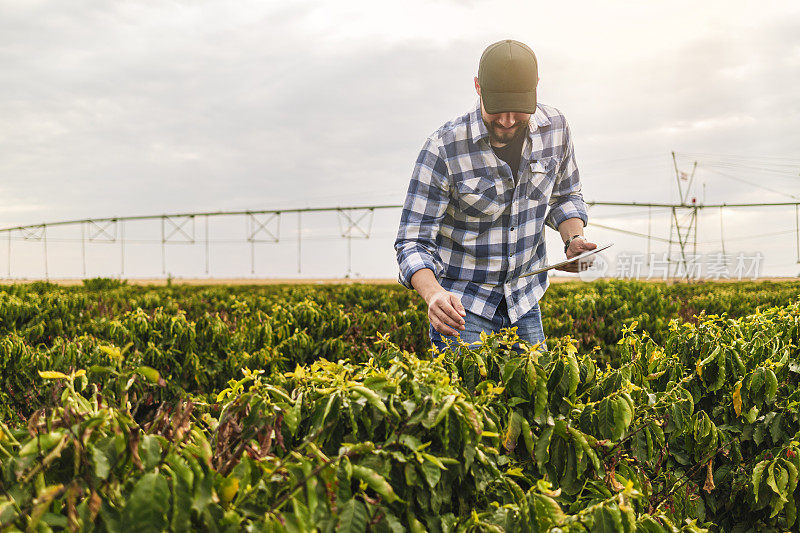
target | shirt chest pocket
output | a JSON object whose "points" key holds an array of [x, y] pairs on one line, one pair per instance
{"points": [[478, 196], [542, 178]]}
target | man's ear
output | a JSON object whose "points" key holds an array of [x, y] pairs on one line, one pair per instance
{"points": [[477, 86]]}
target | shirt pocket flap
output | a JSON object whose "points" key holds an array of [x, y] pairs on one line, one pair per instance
{"points": [[543, 177], [544, 166], [474, 185]]}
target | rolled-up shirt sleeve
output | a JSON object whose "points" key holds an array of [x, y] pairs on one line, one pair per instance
{"points": [[566, 200], [425, 205]]}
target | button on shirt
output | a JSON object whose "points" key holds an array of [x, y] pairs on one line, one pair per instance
{"points": [[466, 219]]}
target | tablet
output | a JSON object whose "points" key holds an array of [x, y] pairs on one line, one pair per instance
{"points": [[567, 261]]}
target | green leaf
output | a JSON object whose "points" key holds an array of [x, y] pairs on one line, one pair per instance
{"points": [[759, 433], [509, 368], [628, 409], [372, 398], [527, 436], [431, 472], [100, 461], [147, 506], [532, 375], [606, 418], [328, 406], [681, 410], [793, 476], [343, 475], [777, 484], [737, 398], [578, 450], [150, 374], [182, 480], [352, 517], [756, 382], [480, 362], [658, 433], [572, 374], [150, 451], [44, 442], [7, 512], [203, 490], [646, 524], [791, 512], [771, 385], [588, 370], [436, 415], [775, 429], [415, 525], [436, 460], [511, 434], [540, 403], [719, 367], [297, 412], [542, 446], [376, 482], [393, 524], [556, 376], [581, 441], [758, 472], [607, 519], [615, 416], [548, 512], [468, 412]]}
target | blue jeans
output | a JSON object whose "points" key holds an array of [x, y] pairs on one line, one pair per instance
{"points": [[529, 328]]}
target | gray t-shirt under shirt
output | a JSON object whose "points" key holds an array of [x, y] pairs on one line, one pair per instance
{"points": [[511, 154]]}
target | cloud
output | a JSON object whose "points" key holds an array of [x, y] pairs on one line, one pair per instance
{"points": [[140, 108]]}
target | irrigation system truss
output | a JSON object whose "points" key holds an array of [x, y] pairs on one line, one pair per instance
{"points": [[354, 222]]}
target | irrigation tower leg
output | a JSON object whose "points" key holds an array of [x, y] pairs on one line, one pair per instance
{"points": [[163, 249], [649, 223], [254, 227], [83, 247], [44, 237], [797, 229], [121, 249], [299, 233], [352, 224]]}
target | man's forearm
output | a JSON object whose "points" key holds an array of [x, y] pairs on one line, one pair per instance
{"points": [[570, 227], [425, 283]]}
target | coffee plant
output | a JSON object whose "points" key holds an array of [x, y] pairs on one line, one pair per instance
{"points": [[300, 408]]}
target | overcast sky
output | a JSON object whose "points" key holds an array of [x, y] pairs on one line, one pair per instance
{"points": [[136, 108]]}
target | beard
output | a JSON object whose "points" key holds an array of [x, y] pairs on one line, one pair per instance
{"points": [[500, 135]]}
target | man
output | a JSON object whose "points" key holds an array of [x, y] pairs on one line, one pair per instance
{"points": [[474, 216]]}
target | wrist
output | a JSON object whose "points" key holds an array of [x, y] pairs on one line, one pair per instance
{"points": [[569, 241]]}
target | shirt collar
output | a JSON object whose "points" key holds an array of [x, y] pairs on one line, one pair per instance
{"points": [[478, 128]]}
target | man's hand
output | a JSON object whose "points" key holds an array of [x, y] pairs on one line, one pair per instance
{"points": [[445, 313], [577, 247]]}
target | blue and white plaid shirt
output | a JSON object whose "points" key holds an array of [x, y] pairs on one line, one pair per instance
{"points": [[466, 219]]}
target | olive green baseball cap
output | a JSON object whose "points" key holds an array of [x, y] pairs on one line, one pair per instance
{"points": [[508, 75]]}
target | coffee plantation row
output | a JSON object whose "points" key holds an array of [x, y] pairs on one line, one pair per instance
{"points": [[302, 408]]}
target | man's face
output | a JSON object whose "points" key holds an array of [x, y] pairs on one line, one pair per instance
{"points": [[503, 127]]}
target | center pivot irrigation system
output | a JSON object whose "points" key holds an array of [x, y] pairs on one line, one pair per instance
{"points": [[356, 222]]}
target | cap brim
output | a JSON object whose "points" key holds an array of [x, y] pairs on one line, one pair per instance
{"points": [[509, 102]]}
